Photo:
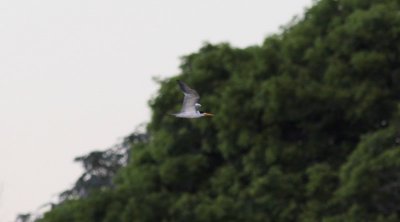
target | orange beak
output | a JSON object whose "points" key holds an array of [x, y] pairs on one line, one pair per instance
{"points": [[208, 114]]}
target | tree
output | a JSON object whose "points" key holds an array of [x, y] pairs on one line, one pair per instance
{"points": [[23, 217], [306, 129]]}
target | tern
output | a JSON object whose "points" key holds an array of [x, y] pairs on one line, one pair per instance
{"points": [[191, 105]]}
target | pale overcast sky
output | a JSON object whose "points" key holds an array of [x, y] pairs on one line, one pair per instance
{"points": [[76, 76]]}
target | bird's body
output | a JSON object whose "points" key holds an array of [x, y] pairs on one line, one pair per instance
{"points": [[190, 106], [188, 115]]}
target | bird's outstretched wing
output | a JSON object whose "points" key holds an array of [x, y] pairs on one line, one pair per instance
{"points": [[190, 99]]}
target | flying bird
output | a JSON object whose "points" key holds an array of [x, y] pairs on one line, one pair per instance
{"points": [[191, 105]]}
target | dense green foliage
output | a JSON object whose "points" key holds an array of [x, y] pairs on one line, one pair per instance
{"points": [[306, 128]]}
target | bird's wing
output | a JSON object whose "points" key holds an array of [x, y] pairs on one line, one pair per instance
{"points": [[190, 99]]}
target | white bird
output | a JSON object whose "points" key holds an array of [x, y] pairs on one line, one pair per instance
{"points": [[190, 106]]}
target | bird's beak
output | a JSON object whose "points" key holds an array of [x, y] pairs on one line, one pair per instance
{"points": [[208, 114]]}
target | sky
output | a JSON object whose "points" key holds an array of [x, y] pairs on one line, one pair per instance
{"points": [[76, 76]]}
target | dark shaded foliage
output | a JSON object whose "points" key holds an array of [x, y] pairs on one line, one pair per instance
{"points": [[100, 167]]}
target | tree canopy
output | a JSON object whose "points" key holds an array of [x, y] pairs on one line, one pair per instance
{"points": [[306, 128]]}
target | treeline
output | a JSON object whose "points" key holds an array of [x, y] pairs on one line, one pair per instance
{"points": [[306, 128]]}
